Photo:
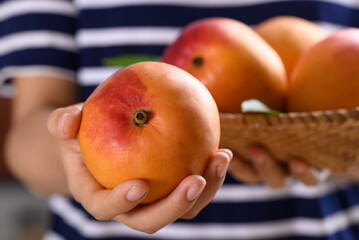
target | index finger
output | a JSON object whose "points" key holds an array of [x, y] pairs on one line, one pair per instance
{"points": [[270, 171]]}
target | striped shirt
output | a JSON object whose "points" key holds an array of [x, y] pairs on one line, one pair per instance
{"points": [[72, 39]]}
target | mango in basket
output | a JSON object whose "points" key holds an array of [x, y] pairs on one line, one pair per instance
{"points": [[327, 76], [290, 37], [232, 61]]}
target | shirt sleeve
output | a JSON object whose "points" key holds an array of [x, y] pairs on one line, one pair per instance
{"points": [[37, 38]]}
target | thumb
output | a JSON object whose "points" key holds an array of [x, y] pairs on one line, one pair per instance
{"points": [[63, 123]]}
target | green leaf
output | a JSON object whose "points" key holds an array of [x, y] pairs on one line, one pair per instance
{"points": [[128, 59], [256, 106]]}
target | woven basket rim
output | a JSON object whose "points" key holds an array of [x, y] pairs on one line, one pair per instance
{"points": [[305, 119], [326, 139]]}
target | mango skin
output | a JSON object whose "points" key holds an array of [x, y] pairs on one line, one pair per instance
{"points": [[181, 135], [237, 64], [290, 37], [327, 76]]}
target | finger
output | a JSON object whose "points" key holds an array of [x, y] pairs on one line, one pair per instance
{"points": [[150, 218], [101, 203], [214, 174], [270, 171], [302, 171], [63, 123], [243, 171], [226, 151], [105, 204]]}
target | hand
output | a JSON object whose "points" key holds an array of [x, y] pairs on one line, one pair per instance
{"points": [[261, 167], [122, 203]]}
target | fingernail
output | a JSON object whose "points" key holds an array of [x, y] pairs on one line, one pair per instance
{"points": [[257, 160], [221, 170], [256, 157], [298, 169], [135, 193], [62, 122], [230, 154], [194, 191]]}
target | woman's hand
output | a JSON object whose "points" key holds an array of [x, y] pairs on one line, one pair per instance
{"points": [[123, 202], [261, 167]]}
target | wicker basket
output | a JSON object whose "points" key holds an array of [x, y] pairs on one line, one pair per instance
{"points": [[326, 139]]}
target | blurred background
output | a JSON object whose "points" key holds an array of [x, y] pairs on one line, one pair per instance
{"points": [[23, 216]]}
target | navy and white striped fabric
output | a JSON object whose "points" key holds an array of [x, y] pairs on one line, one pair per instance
{"points": [[329, 211], [71, 39]]}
